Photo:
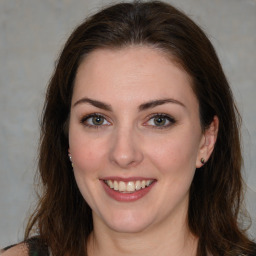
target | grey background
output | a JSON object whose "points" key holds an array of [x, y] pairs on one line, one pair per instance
{"points": [[32, 33]]}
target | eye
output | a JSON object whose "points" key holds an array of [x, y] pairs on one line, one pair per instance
{"points": [[160, 121], [95, 121]]}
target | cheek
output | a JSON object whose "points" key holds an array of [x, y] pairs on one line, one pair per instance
{"points": [[87, 157], [87, 153], [175, 153]]}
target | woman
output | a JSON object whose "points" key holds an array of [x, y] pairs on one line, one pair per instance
{"points": [[140, 150]]}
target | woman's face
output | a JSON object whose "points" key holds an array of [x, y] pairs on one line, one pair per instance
{"points": [[135, 138]]}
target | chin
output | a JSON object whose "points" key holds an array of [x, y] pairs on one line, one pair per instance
{"points": [[128, 227], [128, 222]]}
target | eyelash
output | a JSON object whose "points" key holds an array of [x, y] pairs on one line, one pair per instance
{"points": [[170, 119], [85, 119]]}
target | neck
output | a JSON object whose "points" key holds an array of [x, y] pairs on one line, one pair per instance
{"points": [[165, 240]]}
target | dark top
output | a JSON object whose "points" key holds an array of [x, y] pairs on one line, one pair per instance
{"points": [[37, 248]]}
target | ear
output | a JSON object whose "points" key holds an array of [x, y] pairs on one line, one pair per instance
{"points": [[207, 142], [69, 154]]}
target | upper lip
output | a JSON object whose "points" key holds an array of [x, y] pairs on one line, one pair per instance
{"points": [[125, 179]]}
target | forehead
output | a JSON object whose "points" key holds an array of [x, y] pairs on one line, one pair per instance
{"points": [[131, 73]]}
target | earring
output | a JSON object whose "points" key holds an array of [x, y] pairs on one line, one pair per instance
{"points": [[202, 160], [70, 159]]}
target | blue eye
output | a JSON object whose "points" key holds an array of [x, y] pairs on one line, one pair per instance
{"points": [[95, 121], [161, 121]]}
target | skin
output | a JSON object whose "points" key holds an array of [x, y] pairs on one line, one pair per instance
{"points": [[129, 144], [20, 249]]}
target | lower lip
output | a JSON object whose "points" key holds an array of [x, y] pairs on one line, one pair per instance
{"points": [[126, 197]]}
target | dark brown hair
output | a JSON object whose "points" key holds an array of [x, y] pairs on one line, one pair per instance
{"points": [[62, 216]]}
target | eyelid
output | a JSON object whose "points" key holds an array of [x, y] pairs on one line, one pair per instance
{"points": [[171, 120], [91, 115]]}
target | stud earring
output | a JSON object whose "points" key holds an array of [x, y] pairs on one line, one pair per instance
{"points": [[70, 159], [202, 160]]}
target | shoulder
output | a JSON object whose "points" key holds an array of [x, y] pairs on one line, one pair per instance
{"points": [[33, 246], [19, 249]]}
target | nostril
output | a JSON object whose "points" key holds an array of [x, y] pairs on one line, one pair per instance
{"points": [[125, 151], [126, 157]]}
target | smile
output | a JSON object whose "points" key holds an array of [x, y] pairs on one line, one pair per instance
{"points": [[129, 186]]}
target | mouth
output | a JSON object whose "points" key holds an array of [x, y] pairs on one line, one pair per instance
{"points": [[128, 186], [127, 189]]}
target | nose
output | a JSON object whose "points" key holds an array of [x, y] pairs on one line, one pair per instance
{"points": [[125, 150]]}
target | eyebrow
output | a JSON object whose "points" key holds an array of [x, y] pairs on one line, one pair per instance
{"points": [[142, 107], [96, 103], [154, 103]]}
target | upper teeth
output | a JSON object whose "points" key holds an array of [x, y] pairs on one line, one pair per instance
{"points": [[129, 186]]}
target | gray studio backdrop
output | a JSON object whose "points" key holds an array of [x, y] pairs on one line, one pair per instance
{"points": [[32, 33]]}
